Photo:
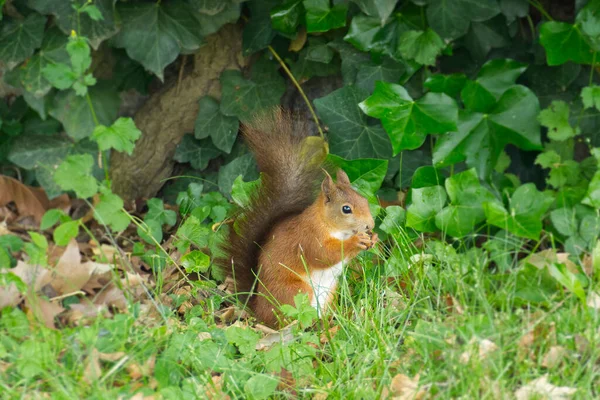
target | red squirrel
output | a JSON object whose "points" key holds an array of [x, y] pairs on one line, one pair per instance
{"points": [[293, 237]]}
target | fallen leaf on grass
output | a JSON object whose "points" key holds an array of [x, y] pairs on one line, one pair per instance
{"points": [[92, 370], [44, 310], [593, 301], [137, 371], [70, 274], [140, 396], [541, 334], [29, 201], [111, 356], [83, 313], [112, 296], [554, 356], [484, 348], [330, 334], [403, 387], [33, 276], [542, 388], [548, 257], [283, 336]]}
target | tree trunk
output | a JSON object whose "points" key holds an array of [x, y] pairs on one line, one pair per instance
{"points": [[170, 113]]}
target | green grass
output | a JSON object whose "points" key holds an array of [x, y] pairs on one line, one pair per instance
{"points": [[422, 316]]}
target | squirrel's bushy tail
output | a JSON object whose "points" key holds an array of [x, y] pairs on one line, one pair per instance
{"points": [[291, 173]]}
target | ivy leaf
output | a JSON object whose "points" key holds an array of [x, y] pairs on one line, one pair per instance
{"points": [[211, 20], [157, 212], [150, 231], [562, 172], [75, 173], [211, 122], [587, 19], [524, 215], [564, 42], [592, 197], [366, 175], [407, 121], [485, 36], [362, 32], [481, 138], [494, 78], [195, 262], [421, 46], [369, 73], [590, 95], [565, 221], [109, 211], [380, 9], [60, 75], [322, 17], [258, 32], [155, 33], [465, 210], [120, 136], [197, 152], [53, 51], [395, 218], [451, 19], [286, 17], [260, 386], [74, 111], [426, 203], [241, 192], [449, 84], [191, 232], [244, 98], [244, 166], [350, 135], [65, 232], [513, 9], [85, 22], [19, 39], [556, 119]]}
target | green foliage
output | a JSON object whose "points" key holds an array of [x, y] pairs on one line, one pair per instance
{"points": [[120, 136], [301, 310]]}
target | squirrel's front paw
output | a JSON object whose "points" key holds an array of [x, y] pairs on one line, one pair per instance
{"points": [[365, 241]]}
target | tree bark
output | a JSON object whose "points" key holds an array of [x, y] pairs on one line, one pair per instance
{"points": [[170, 113]]}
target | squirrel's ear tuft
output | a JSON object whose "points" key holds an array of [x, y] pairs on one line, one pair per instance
{"points": [[327, 187], [342, 178]]}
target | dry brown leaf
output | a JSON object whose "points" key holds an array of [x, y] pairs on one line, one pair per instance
{"points": [[541, 334], [112, 296], [554, 356], [137, 371], [283, 336], [544, 258], [111, 356], [484, 348], [34, 276], [214, 390], [331, 332], [70, 274], [454, 306], [81, 314], [92, 370], [141, 396], [28, 202], [593, 301], [542, 388], [44, 310], [404, 388]]}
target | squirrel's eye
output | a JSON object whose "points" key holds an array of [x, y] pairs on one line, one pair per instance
{"points": [[346, 210]]}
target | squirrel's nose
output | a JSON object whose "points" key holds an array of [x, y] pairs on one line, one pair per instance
{"points": [[369, 226]]}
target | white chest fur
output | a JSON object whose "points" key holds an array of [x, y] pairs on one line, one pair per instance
{"points": [[323, 282]]}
